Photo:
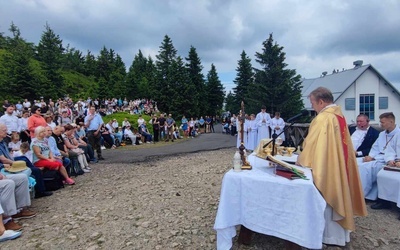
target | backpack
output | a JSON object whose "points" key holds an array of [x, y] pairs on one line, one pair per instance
{"points": [[52, 180], [74, 168]]}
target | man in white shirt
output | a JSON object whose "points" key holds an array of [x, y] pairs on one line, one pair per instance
{"points": [[277, 125], [370, 165], [11, 121]]}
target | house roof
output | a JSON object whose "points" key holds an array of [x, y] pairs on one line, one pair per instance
{"points": [[338, 82]]}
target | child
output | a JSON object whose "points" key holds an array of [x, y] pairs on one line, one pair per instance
{"points": [[15, 143], [24, 151]]}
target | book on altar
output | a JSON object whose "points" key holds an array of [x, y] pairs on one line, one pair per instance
{"points": [[286, 170]]}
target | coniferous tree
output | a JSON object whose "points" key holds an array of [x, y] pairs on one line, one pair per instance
{"points": [[215, 93], [73, 60], [89, 65], [136, 77], [230, 103], [244, 78], [117, 78], [275, 86], [50, 53], [182, 102], [196, 77], [164, 85]]}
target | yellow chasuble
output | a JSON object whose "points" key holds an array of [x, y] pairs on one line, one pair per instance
{"points": [[328, 150]]}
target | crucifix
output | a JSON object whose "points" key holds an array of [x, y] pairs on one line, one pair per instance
{"points": [[245, 164]]}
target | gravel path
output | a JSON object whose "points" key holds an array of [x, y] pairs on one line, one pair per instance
{"points": [[160, 200]]}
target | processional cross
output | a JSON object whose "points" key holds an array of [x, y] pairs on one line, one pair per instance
{"points": [[242, 117]]}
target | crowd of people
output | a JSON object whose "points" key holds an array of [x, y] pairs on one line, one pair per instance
{"points": [[65, 138], [62, 138]]}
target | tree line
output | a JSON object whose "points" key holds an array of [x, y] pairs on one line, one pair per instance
{"points": [[52, 70]]}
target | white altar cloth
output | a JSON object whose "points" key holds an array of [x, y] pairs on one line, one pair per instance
{"points": [[389, 186], [257, 199]]}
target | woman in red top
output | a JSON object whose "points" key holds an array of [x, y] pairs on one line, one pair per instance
{"points": [[35, 120]]}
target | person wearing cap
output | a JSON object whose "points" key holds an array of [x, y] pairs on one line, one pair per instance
{"points": [[263, 120]]}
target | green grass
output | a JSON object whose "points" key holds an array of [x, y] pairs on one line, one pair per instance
{"points": [[120, 116]]}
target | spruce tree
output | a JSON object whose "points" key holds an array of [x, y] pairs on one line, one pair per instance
{"points": [[244, 78], [164, 85], [196, 77], [275, 86], [215, 93], [50, 53]]}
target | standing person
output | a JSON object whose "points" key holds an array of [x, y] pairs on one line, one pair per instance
{"points": [[161, 121], [263, 119], [93, 123], [233, 125], [277, 125], [11, 121], [251, 129], [170, 127], [329, 152], [35, 120], [156, 127]]}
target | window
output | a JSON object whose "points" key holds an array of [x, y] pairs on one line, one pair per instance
{"points": [[367, 105], [383, 102], [350, 103]]}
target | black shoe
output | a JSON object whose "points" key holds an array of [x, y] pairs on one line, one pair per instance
{"points": [[381, 204], [101, 158], [43, 194]]}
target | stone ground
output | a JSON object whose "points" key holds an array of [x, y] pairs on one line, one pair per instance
{"points": [[162, 196]]}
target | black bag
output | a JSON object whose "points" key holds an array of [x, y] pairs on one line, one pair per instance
{"points": [[52, 180], [74, 168]]}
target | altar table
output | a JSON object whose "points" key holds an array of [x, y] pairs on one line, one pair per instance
{"points": [[268, 204]]}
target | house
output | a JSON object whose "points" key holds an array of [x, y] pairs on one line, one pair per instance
{"points": [[361, 89]]}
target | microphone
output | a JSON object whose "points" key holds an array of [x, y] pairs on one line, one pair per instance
{"points": [[303, 112]]}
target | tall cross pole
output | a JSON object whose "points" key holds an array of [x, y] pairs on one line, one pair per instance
{"points": [[242, 147]]}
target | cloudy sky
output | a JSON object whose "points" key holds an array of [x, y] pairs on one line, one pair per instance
{"points": [[316, 35]]}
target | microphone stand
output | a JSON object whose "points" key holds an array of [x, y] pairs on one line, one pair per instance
{"points": [[274, 136]]}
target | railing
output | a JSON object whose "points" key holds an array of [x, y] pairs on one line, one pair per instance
{"points": [[296, 134]]}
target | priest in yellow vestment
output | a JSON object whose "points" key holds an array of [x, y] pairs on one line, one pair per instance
{"points": [[329, 152]]}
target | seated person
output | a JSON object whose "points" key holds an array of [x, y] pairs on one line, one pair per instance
{"points": [[43, 157], [4, 233], [24, 151], [146, 133], [132, 135], [363, 136], [388, 182], [6, 158], [105, 133], [73, 147], [14, 200], [370, 165], [54, 149], [15, 143]]}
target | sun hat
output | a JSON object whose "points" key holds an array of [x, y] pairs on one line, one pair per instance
{"points": [[17, 166]]}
